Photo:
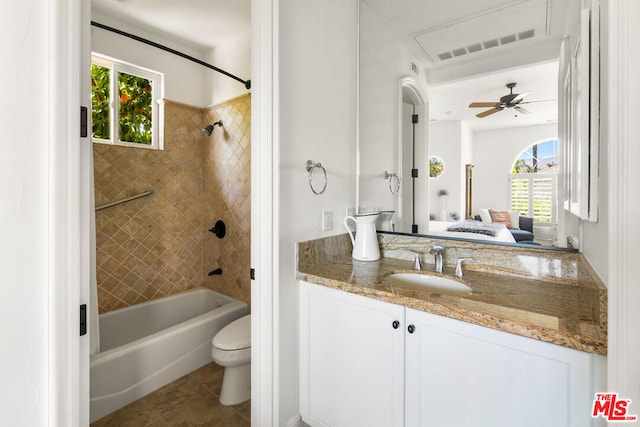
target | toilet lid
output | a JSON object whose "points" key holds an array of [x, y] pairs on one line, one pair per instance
{"points": [[235, 336]]}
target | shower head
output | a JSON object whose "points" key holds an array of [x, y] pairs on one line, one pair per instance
{"points": [[208, 130]]}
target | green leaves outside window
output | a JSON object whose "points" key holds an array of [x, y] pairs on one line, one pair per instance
{"points": [[133, 103]]}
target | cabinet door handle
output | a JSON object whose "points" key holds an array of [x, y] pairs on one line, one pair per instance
{"points": [[411, 328], [395, 324]]}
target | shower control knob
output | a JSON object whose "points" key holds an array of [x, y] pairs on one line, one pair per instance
{"points": [[411, 329], [220, 230], [395, 324]]}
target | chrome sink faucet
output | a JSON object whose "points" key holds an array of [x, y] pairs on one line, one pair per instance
{"points": [[438, 252]]}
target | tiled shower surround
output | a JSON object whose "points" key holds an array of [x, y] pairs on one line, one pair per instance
{"points": [[160, 245]]}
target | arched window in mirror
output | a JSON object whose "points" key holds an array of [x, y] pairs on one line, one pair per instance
{"points": [[436, 166], [534, 182]]}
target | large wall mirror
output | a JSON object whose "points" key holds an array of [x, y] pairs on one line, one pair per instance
{"points": [[474, 84]]}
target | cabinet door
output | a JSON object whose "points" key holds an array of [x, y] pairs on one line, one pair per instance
{"points": [[459, 374], [351, 359]]}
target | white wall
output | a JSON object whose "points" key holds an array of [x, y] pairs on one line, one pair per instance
{"points": [[383, 62], [317, 121], [233, 55], [452, 141], [494, 152], [24, 251], [183, 79]]}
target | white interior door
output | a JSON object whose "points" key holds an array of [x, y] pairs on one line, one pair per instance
{"points": [[406, 151]]}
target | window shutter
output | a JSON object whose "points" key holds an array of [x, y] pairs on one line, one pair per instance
{"points": [[543, 199], [534, 196], [520, 195]]}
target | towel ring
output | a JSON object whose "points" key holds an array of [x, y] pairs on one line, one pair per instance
{"points": [[310, 166], [393, 177]]}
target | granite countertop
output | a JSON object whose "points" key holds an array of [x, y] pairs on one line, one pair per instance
{"points": [[569, 312]]}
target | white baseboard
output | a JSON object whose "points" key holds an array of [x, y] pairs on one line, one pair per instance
{"points": [[297, 422]]}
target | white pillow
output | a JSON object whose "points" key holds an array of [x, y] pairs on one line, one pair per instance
{"points": [[515, 220], [485, 216]]}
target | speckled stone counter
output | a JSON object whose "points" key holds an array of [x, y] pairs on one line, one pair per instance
{"points": [[548, 295]]}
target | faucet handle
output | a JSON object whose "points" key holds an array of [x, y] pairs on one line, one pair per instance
{"points": [[459, 261], [416, 262]]}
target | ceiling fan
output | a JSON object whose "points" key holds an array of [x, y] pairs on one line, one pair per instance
{"points": [[511, 100]]}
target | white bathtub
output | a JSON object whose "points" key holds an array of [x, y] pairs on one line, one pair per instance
{"points": [[146, 346]]}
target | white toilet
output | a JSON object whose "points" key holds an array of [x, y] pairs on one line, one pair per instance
{"points": [[232, 350]]}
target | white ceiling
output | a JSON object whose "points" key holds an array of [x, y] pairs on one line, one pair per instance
{"points": [[198, 24], [426, 27], [451, 101], [430, 27]]}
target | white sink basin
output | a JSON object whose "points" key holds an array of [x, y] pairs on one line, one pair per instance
{"points": [[429, 283]]}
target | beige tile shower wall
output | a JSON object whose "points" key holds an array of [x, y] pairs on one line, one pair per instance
{"points": [[153, 246], [227, 189]]}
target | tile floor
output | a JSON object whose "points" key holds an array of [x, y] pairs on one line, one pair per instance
{"points": [[189, 401]]}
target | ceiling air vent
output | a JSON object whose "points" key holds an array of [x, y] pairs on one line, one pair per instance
{"points": [[469, 36], [487, 44], [508, 39], [460, 51], [526, 34], [474, 47], [490, 43]]}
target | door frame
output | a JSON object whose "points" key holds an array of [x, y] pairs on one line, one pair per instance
{"points": [[411, 87], [68, 215], [264, 212], [70, 212]]}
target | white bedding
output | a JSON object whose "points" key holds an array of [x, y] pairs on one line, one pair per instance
{"points": [[439, 228]]}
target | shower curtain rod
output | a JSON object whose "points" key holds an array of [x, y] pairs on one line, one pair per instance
{"points": [[247, 83]]}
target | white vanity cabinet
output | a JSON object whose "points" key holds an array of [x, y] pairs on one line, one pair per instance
{"points": [[465, 375], [357, 369], [351, 359]]}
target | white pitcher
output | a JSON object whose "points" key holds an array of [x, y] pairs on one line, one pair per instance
{"points": [[365, 244]]}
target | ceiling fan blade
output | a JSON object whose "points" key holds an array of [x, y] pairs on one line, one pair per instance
{"points": [[482, 104], [519, 97], [488, 112], [542, 100], [522, 110]]}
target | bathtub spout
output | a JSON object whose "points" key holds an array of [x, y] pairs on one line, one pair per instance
{"points": [[217, 271]]}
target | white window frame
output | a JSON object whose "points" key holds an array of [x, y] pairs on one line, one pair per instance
{"points": [[157, 83], [554, 193]]}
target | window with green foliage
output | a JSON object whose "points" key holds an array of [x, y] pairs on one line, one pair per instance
{"points": [[436, 166], [124, 103]]}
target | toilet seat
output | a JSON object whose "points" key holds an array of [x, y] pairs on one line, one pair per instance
{"points": [[235, 336], [230, 358]]}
